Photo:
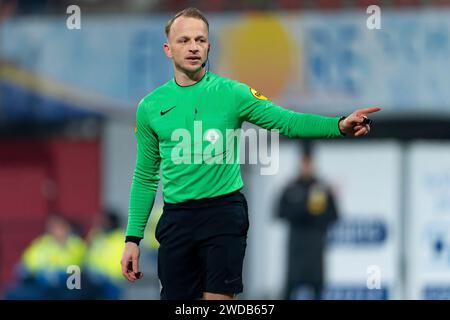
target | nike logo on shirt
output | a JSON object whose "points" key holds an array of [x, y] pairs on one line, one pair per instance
{"points": [[164, 112]]}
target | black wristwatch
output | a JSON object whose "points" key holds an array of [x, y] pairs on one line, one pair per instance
{"points": [[340, 119], [367, 121]]}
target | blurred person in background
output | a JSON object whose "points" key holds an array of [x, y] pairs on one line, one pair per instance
{"points": [[203, 229], [42, 272], [309, 207], [103, 275]]}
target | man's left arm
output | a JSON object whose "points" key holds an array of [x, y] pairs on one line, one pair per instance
{"points": [[257, 109]]}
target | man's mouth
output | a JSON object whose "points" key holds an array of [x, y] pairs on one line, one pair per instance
{"points": [[193, 58]]}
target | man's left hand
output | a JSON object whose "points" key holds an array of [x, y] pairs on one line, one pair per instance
{"points": [[354, 125]]}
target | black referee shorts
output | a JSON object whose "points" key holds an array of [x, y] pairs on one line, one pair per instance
{"points": [[202, 246]]}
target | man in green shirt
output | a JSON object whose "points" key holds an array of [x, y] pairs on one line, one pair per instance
{"points": [[183, 127]]}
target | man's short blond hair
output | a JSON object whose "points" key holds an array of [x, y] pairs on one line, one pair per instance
{"points": [[189, 13]]}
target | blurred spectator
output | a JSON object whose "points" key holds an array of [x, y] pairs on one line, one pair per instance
{"points": [[42, 272], [309, 207], [102, 270]]}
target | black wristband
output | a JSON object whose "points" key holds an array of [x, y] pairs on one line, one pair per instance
{"points": [[133, 239], [340, 119]]}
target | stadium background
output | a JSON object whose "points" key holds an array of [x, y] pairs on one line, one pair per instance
{"points": [[68, 99]]}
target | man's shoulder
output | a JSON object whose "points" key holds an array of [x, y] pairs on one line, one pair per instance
{"points": [[224, 81], [43, 240], [296, 184], [155, 95], [239, 89]]}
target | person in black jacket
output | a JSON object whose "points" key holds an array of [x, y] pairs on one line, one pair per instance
{"points": [[309, 207]]}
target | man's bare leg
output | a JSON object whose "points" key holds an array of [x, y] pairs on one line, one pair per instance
{"points": [[218, 296]]}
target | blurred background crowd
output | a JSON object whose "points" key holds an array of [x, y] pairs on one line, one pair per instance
{"points": [[344, 219]]}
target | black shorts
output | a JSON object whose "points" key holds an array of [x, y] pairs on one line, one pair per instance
{"points": [[202, 246]]}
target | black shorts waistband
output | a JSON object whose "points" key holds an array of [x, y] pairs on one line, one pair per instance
{"points": [[201, 202]]}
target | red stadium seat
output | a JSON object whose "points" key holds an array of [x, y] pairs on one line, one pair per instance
{"points": [[367, 3], [14, 239], [174, 5], [439, 3], [406, 3], [290, 4], [213, 5], [330, 4]]}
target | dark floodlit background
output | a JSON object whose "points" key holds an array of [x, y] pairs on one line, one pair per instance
{"points": [[68, 99]]}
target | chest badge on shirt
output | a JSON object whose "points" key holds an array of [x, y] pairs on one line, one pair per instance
{"points": [[257, 94], [212, 136]]}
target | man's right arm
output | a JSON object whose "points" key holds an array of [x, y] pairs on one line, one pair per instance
{"points": [[145, 177]]}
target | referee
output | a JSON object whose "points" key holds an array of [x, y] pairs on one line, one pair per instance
{"points": [[203, 229]]}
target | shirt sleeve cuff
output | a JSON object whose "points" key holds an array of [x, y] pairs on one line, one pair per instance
{"points": [[133, 239], [339, 121]]}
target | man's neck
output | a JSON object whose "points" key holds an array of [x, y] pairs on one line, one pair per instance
{"points": [[187, 79]]}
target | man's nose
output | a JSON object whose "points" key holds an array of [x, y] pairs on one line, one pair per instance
{"points": [[193, 47]]}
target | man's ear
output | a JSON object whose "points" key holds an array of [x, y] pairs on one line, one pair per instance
{"points": [[209, 47], [167, 50]]}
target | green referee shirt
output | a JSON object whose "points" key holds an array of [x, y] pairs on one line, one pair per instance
{"points": [[184, 130]]}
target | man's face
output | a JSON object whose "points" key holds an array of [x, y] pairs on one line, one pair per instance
{"points": [[188, 44], [58, 228]]}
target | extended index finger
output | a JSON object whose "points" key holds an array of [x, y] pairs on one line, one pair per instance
{"points": [[369, 110]]}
